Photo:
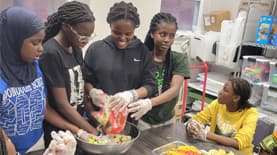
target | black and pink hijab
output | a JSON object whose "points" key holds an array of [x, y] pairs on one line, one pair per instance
{"points": [[17, 24]]}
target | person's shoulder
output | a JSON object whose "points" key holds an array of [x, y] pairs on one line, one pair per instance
{"points": [[97, 44], [252, 110], [51, 46], [179, 55]]}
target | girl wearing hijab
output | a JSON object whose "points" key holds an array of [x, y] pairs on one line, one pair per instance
{"points": [[22, 91]]}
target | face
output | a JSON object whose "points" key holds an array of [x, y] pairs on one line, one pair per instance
{"points": [[10, 147], [226, 95], [32, 47], [122, 32], [164, 36], [81, 33]]}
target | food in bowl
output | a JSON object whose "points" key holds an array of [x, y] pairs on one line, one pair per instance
{"points": [[110, 139], [111, 149]]}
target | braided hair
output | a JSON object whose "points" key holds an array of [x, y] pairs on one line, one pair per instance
{"points": [[3, 148], [158, 19], [123, 10], [242, 88], [71, 13]]}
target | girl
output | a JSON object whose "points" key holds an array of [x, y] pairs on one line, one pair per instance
{"points": [[172, 68], [231, 117], [67, 31], [22, 90], [119, 65]]}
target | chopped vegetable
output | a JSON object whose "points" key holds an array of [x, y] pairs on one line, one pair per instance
{"points": [[110, 139]]}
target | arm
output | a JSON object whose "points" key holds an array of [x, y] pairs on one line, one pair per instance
{"points": [[180, 70], [171, 93], [54, 118], [245, 134], [227, 141], [54, 74], [206, 115], [69, 112], [149, 84], [87, 102]]}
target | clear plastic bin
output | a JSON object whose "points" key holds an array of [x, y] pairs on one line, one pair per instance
{"points": [[257, 94], [273, 74], [269, 100], [164, 148], [255, 69]]}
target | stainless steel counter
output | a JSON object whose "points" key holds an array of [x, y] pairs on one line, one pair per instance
{"points": [[156, 137], [153, 138]]}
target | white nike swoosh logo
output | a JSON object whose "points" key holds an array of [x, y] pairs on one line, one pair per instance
{"points": [[136, 60]]}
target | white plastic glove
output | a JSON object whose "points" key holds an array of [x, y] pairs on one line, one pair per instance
{"points": [[63, 143], [121, 100], [196, 130], [139, 108], [201, 135], [97, 96], [82, 134]]}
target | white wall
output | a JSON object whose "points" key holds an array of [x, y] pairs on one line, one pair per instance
{"points": [[231, 5], [146, 10]]}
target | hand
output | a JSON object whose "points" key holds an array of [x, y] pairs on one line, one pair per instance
{"points": [[192, 127], [82, 134], [97, 96], [121, 100], [196, 130], [63, 143], [201, 135], [139, 108]]}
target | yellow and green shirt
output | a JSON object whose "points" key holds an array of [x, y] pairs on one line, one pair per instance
{"points": [[240, 125]]}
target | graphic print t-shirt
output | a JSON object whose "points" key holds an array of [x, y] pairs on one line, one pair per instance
{"points": [[22, 112], [63, 70]]}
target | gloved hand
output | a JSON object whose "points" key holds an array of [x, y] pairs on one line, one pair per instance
{"points": [[201, 135], [97, 96], [121, 100], [139, 108], [82, 134], [63, 143], [196, 130]]}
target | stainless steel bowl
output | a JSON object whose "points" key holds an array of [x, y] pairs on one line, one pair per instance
{"points": [[130, 129]]}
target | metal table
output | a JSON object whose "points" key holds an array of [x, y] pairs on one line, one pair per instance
{"points": [[156, 137]]}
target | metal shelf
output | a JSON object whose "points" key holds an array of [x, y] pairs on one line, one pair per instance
{"points": [[199, 87], [260, 45]]}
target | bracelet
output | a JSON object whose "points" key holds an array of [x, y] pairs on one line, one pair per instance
{"points": [[100, 131], [134, 94]]}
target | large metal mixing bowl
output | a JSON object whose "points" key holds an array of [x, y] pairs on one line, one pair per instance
{"points": [[111, 149]]}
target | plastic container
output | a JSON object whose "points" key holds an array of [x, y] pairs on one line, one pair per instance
{"points": [[269, 99], [255, 69], [163, 149], [256, 94], [273, 74], [269, 142]]}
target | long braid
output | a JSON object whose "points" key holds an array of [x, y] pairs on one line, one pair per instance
{"points": [[123, 10], [71, 13], [158, 19]]}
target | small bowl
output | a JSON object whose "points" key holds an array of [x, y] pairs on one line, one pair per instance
{"points": [[130, 129]]}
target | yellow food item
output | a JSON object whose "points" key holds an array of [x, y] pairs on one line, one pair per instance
{"points": [[217, 152], [110, 139], [184, 150]]}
